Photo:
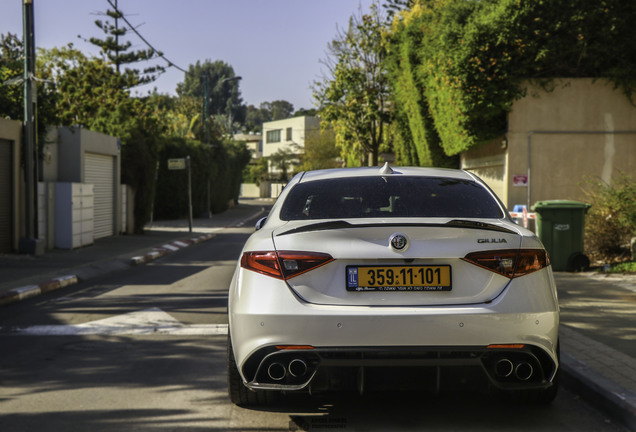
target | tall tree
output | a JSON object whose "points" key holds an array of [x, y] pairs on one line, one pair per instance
{"points": [[218, 85], [118, 50], [279, 109], [255, 117], [267, 111], [353, 97]]}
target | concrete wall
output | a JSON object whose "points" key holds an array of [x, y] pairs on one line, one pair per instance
{"points": [[582, 129], [11, 130], [73, 143], [250, 190]]}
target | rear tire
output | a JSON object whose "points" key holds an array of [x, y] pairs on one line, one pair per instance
{"points": [[239, 394]]}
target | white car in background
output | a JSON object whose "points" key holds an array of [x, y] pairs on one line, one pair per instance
{"points": [[372, 278]]}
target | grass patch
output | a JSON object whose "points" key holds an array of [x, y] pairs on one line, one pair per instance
{"points": [[625, 267]]}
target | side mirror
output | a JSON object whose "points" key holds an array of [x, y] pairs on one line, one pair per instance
{"points": [[260, 223]]}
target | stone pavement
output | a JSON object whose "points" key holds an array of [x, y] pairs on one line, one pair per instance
{"points": [[598, 312], [598, 340]]}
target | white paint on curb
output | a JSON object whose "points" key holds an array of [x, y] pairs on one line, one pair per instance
{"points": [[27, 291]]}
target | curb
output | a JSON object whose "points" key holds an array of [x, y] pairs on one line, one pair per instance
{"points": [[166, 249], [609, 397], [25, 292]]}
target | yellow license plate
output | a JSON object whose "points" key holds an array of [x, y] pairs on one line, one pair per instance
{"points": [[399, 278]]}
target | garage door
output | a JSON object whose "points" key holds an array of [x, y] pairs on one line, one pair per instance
{"points": [[99, 171], [5, 196]]}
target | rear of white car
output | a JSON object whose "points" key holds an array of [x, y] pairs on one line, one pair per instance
{"points": [[367, 278]]}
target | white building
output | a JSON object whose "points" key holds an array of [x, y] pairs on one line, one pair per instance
{"points": [[254, 143], [288, 134]]}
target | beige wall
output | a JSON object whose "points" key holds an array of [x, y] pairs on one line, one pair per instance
{"points": [[488, 161], [299, 127], [582, 129]]}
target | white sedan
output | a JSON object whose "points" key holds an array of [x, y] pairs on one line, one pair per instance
{"points": [[367, 279]]}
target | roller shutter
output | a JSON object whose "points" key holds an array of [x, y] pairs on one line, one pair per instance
{"points": [[5, 196], [99, 171]]}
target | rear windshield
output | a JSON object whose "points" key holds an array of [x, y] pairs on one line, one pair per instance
{"points": [[389, 197]]}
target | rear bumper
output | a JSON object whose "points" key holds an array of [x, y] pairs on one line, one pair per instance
{"points": [[264, 314], [322, 369]]}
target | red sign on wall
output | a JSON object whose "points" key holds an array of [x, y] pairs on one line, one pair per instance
{"points": [[520, 180]]}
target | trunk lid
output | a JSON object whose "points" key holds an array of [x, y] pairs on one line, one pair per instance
{"points": [[427, 271]]}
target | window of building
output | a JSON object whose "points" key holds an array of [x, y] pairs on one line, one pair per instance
{"points": [[289, 134], [273, 136]]}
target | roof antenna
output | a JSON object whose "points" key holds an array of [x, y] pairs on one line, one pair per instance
{"points": [[386, 169]]}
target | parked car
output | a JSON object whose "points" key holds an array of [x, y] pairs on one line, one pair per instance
{"points": [[374, 278]]}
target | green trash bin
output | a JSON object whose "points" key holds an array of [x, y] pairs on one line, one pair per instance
{"points": [[560, 227]]}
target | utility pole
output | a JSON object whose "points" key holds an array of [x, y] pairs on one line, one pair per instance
{"points": [[208, 213], [30, 243]]}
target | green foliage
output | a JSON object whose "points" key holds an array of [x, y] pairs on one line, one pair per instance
{"points": [[12, 94], [353, 99], [220, 85], [219, 167], [283, 161], [625, 267], [256, 172], [457, 66], [611, 221], [11, 66], [279, 109], [320, 151], [182, 117], [267, 111]]}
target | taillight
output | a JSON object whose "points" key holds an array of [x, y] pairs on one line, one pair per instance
{"points": [[510, 263], [283, 264]]}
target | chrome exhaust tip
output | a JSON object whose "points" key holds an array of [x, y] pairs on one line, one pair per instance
{"points": [[524, 371], [276, 371], [504, 368], [297, 368]]}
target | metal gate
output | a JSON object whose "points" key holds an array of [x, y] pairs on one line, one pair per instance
{"points": [[99, 171], [6, 206]]}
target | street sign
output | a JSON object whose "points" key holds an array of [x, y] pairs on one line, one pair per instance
{"points": [[176, 164]]}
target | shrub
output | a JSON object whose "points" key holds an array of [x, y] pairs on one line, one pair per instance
{"points": [[611, 221]]}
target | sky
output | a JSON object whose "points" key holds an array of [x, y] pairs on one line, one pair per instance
{"points": [[276, 46]]}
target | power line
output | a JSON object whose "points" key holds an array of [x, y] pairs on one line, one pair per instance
{"points": [[144, 39]]}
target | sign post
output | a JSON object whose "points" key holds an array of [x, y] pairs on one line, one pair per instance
{"points": [[189, 193], [179, 164]]}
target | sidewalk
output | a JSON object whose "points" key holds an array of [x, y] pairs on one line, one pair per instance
{"points": [[598, 312]]}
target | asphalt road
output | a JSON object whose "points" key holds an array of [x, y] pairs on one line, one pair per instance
{"points": [[144, 350]]}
